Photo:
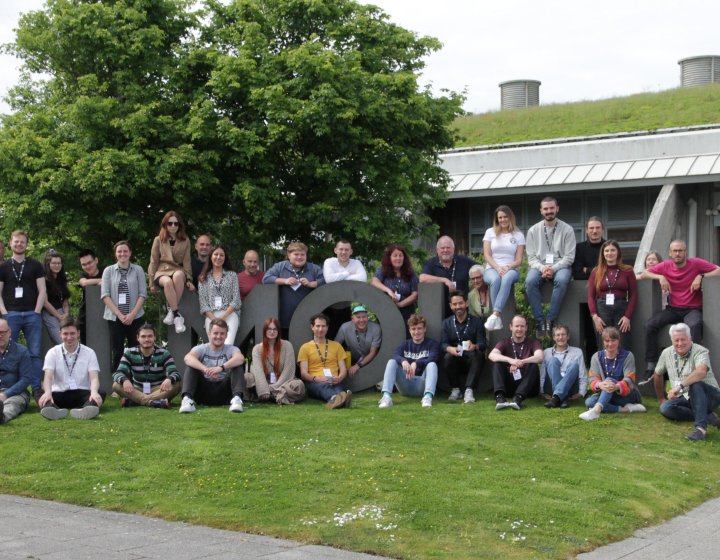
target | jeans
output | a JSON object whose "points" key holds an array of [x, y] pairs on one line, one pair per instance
{"points": [[500, 286], [52, 324], [704, 399], [322, 391], [415, 387], [534, 280], [31, 324], [563, 386], [677, 409], [15, 405], [463, 371], [691, 316], [612, 402], [213, 393]]}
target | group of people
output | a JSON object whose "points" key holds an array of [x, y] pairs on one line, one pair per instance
{"points": [[145, 374]]}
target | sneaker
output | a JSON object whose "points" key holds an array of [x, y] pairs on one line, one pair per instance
{"points": [[236, 404], [565, 404], [52, 412], [179, 324], [169, 318], [516, 404], [385, 402], [696, 435], [540, 330], [469, 396], [554, 402], [493, 323], [454, 394], [187, 405], [426, 402], [336, 401], [713, 420], [159, 403], [590, 414], [348, 398], [87, 412], [500, 402], [635, 407]]}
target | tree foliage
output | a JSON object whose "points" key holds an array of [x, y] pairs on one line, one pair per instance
{"points": [[259, 121]]}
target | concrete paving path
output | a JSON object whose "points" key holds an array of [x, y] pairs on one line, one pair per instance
{"points": [[693, 536], [41, 530]]}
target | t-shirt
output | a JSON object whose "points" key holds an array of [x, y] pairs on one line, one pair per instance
{"points": [[504, 246], [83, 303], [20, 275], [215, 358], [518, 350], [247, 282], [680, 280], [70, 371], [458, 271], [320, 356], [359, 343], [679, 367]]}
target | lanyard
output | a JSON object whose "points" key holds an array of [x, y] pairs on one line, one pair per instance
{"points": [[467, 324], [68, 367], [547, 239], [297, 274], [522, 347], [452, 271], [18, 277], [678, 367], [607, 368], [357, 337], [607, 279], [218, 285], [565, 354], [323, 360]]}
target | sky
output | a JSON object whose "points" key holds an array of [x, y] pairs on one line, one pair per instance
{"points": [[578, 50]]}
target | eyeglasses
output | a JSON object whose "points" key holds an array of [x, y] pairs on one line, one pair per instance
{"points": [[173, 223], [271, 329]]}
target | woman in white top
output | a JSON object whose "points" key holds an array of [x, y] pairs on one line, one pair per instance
{"points": [[503, 248]]}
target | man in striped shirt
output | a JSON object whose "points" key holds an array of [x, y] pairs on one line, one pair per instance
{"points": [[146, 375]]}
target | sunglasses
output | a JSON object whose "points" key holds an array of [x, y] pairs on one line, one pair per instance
{"points": [[173, 223]]}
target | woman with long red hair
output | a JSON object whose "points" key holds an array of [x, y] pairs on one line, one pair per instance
{"points": [[272, 370], [169, 267]]}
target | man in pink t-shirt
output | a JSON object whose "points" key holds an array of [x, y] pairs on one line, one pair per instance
{"points": [[681, 277], [252, 275]]}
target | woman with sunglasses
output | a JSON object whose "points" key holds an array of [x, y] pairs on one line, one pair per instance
{"points": [[169, 267], [272, 370]]}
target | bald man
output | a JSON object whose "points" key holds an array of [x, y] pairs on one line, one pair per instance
{"points": [[203, 246], [251, 276], [447, 268]]}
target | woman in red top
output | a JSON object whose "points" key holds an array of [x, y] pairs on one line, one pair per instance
{"points": [[612, 293]]}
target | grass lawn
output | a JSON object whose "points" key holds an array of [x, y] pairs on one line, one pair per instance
{"points": [[454, 481]]}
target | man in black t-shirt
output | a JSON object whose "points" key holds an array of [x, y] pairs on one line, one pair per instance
{"points": [[22, 296], [90, 276]]}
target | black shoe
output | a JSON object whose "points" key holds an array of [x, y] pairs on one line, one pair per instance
{"points": [[565, 404], [554, 402], [501, 402], [516, 402], [696, 435], [713, 420], [37, 393]]}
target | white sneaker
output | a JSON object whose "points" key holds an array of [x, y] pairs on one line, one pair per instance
{"points": [[590, 414], [168, 320], [454, 394], [493, 323], [236, 404], [187, 405], [179, 324], [469, 397], [426, 402], [635, 407], [385, 402]]}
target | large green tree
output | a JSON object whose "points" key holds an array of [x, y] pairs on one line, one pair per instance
{"points": [[261, 121]]}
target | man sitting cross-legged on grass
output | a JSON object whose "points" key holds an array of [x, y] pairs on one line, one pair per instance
{"points": [[72, 377], [214, 374], [322, 366], [516, 371], [413, 367], [146, 375], [16, 374], [695, 394]]}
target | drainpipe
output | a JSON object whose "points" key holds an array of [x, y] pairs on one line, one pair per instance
{"points": [[692, 228]]}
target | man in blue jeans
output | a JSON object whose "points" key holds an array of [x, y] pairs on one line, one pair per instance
{"points": [[563, 375], [22, 296], [550, 246], [695, 393]]}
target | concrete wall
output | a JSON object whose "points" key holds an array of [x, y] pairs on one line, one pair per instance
{"points": [[263, 303]]}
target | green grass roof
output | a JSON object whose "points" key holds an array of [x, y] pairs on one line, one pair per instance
{"points": [[645, 111]]}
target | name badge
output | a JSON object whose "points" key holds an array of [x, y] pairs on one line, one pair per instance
{"points": [[146, 388], [549, 258], [610, 299], [517, 375], [218, 302], [273, 378], [327, 372], [454, 285], [122, 299], [18, 293], [72, 384], [295, 287], [460, 349]]}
